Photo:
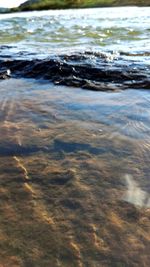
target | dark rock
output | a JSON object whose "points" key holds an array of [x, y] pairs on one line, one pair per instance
{"points": [[5, 74], [79, 71]]}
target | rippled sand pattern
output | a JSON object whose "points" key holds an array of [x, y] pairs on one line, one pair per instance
{"points": [[74, 176]]}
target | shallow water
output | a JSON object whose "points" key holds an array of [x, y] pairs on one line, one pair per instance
{"points": [[74, 163], [75, 188]]}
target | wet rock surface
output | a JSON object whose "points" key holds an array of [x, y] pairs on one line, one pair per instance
{"points": [[92, 71], [5, 74]]}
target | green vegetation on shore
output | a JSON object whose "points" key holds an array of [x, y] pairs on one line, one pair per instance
{"points": [[64, 4]]}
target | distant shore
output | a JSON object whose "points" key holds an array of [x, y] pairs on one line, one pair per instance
{"points": [[66, 4]]}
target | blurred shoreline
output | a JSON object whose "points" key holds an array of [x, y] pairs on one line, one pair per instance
{"points": [[67, 4]]}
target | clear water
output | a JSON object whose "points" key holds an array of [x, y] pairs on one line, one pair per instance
{"points": [[74, 164]]}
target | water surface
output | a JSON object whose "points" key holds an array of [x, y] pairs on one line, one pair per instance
{"points": [[74, 163], [60, 31], [75, 187]]}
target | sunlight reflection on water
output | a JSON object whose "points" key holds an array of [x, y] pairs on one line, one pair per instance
{"points": [[60, 31], [135, 194]]}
